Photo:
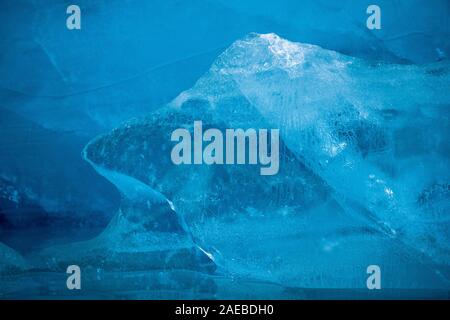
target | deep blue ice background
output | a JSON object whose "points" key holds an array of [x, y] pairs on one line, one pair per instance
{"points": [[59, 89]]}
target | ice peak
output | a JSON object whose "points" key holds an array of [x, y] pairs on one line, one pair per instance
{"points": [[289, 53], [263, 52]]}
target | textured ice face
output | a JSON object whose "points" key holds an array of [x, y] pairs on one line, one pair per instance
{"points": [[358, 180], [358, 126]]}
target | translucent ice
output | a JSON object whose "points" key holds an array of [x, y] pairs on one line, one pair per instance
{"points": [[84, 83], [411, 31], [359, 181], [146, 234]]}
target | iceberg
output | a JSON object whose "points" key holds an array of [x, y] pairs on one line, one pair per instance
{"points": [[363, 166]]}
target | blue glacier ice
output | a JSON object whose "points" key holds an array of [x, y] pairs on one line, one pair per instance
{"points": [[145, 234], [358, 183], [63, 88], [412, 31], [363, 117], [54, 67], [10, 261]]}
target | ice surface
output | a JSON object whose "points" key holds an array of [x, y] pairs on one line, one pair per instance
{"points": [[145, 234], [38, 180], [359, 182], [364, 174], [10, 261], [93, 86], [354, 127], [62, 88], [411, 31]]}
